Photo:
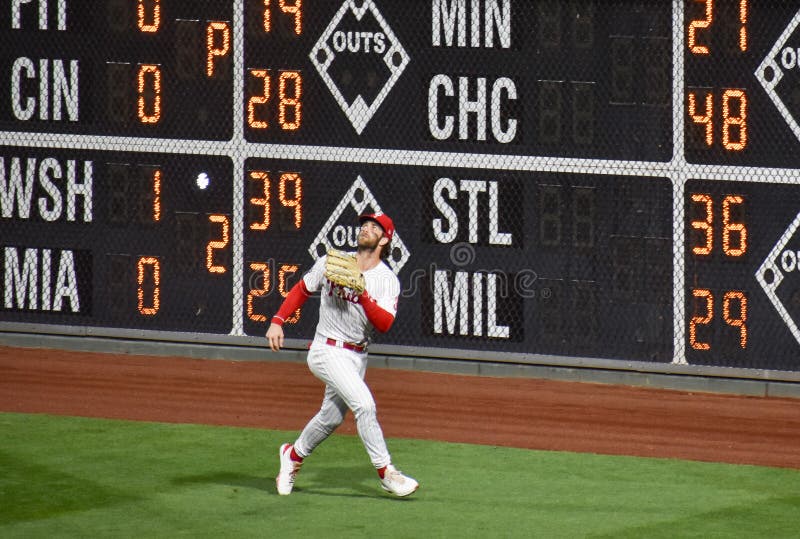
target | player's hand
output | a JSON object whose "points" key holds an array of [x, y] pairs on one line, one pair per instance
{"points": [[275, 337]]}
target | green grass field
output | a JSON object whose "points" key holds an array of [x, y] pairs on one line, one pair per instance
{"points": [[76, 477]]}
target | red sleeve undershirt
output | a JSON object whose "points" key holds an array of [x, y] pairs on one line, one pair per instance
{"points": [[382, 320], [295, 299]]}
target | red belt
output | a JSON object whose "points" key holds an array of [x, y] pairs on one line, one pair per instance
{"points": [[360, 348]]}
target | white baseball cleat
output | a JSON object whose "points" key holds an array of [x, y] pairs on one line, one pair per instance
{"points": [[398, 484], [289, 469]]}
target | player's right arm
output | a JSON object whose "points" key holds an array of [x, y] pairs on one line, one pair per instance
{"points": [[295, 299], [297, 296], [275, 336]]}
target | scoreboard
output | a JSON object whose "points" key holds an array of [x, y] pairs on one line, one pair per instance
{"points": [[532, 78], [595, 181], [119, 67]]}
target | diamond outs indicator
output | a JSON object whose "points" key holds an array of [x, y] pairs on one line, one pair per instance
{"points": [[782, 64], [781, 264], [341, 229], [357, 83]]}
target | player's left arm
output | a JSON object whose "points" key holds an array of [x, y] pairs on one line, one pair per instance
{"points": [[381, 319], [382, 308]]}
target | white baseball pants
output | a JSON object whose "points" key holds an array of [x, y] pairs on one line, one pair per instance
{"points": [[343, 372]]}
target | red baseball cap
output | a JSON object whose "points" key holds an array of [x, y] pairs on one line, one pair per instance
{"points": [[382, 219]]}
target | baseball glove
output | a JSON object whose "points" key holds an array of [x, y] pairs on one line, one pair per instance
{"points": [[342, 269]]}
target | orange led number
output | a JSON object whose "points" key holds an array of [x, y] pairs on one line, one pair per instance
{"points": [[258, 292], [706, 225], [296, 201], [728, 227], [257, 100], [701, 320], [703, 119], [267, 20], [700, 24], [149, 113], [157, 195], [290, 96], [263, 177], [215, 49], [154, 22], [707, 21], [290, 101], [289, 269], [290, 195], [217, 244], [295, 9], [740, 322], [734, 122], [739, 120], [154, 266], [743, 28]]}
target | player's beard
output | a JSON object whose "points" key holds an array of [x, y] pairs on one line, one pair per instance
{"points": [[366, 243]]}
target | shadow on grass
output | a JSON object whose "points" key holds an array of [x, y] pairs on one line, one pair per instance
{"points": [[333, 481], [32, 491], [235, 480]]}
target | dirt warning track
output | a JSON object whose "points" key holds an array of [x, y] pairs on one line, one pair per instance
{"points": [[517, 412]]}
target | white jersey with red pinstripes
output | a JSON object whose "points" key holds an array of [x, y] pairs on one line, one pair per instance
{"points": [[340, 316]]}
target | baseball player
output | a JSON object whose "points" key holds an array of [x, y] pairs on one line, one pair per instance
{"points": [[358, 292]]}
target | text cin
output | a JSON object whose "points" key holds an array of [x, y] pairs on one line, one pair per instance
{"points": [[47, 89]]}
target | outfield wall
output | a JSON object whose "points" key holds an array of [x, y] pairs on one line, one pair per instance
{"points": [[582, 185]]}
